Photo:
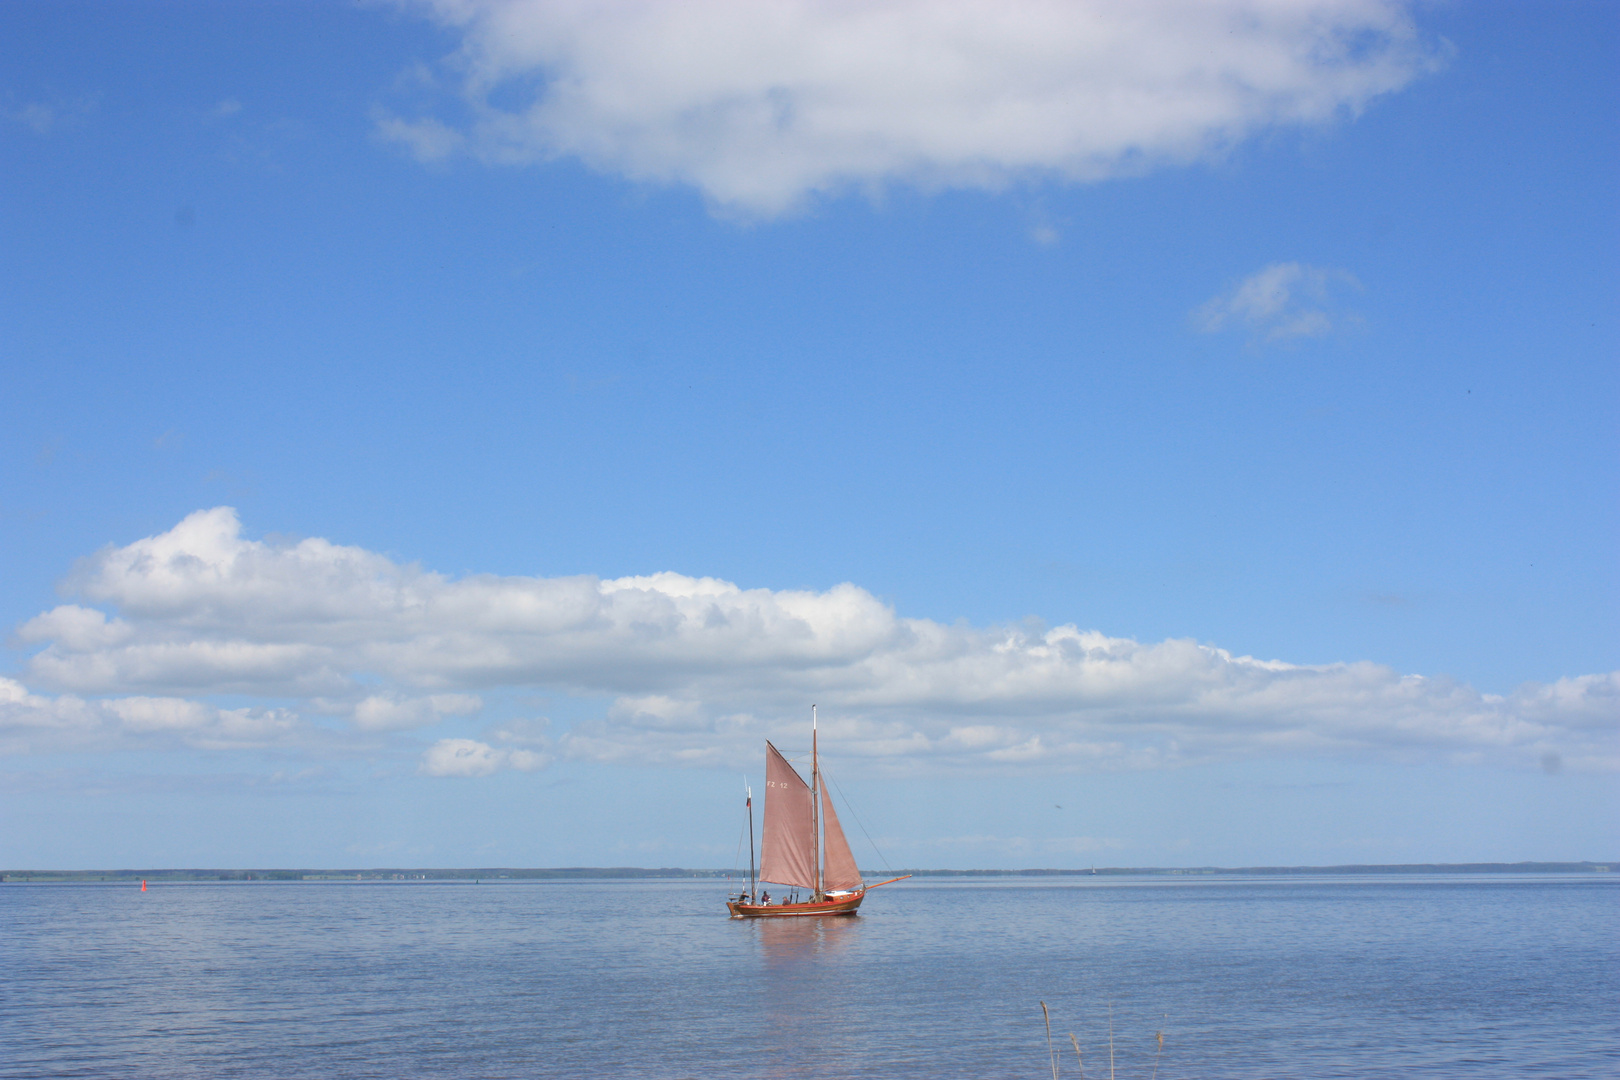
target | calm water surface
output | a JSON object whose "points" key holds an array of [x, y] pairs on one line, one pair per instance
{"points": [[1300, 977]]}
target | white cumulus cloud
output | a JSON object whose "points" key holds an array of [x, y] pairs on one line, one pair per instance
{"points": [[391, 712], [37, 723], [761, 103], [700, 669], [469, 757]]}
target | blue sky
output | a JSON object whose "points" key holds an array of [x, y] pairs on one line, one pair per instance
{"points": [[1205, 428]]}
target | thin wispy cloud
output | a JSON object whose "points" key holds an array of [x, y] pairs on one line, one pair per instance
{"points": [[761, 106], [699, 669], [1282, 302], [46, 117]]}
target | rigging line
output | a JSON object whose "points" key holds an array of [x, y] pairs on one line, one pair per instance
{"points": [[736, 859], [851, 808]]}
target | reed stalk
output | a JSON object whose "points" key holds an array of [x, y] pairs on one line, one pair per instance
{"points": [[1110, 1040], [1051, 1053], [1079, 1058]]}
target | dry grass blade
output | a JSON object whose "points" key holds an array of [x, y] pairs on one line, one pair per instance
{"points": [[1110, 1040], [1082, 1060], [1049, 1051], [1160, 1051]]}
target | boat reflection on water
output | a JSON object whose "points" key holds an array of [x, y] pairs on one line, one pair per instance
{"points": [[815, 939], [804, 961]]}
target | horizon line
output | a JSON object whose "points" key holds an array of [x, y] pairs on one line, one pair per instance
{"points": [[497, 873]]}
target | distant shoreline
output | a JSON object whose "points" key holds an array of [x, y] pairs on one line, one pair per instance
{"points": [[636, 873]]}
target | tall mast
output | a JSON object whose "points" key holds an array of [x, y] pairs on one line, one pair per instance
{"points": [[750, 841], [815, 799]]}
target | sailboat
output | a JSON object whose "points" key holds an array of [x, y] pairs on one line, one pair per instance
{"points": [[803, 846]]}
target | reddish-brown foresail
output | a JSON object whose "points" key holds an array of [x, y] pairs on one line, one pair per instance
{"points": [[839, 870], [788, 849]]}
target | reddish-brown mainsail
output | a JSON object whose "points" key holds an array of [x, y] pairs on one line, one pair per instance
{"points": [[788, 848]]}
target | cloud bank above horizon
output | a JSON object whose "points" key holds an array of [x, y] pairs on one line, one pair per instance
{"points": [[698, 670], [761, 106]]}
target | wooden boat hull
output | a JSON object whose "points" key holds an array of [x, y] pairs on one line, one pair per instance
{"points": [[844, 905]]}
